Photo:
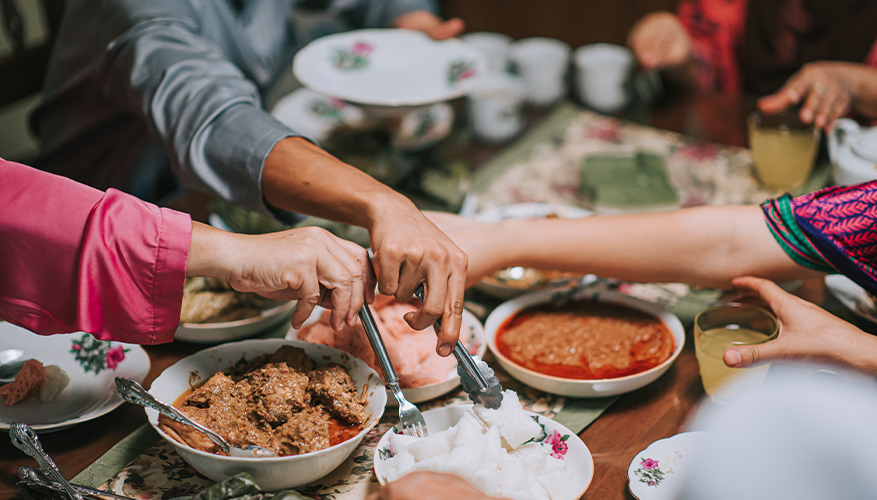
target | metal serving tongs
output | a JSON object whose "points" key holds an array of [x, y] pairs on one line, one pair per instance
{"points": [[25, 439], [477, 378], [38, 479], [410, 418]]}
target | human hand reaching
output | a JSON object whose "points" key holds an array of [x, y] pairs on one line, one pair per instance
{"points": [[659, 40], [429, 23], [824, 89], [410, 250], [807, 333], [307, 264], [429, 486]]}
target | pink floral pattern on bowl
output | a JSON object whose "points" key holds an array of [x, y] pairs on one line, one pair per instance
{"points": [[354, 58], [328, 108]]}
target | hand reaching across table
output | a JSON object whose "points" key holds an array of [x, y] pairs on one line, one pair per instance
{"points": [[807, 333], [826, 91], [307, 264], [659, 40]]}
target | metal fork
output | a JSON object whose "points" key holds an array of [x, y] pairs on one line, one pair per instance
{"points": [[410, 418]]}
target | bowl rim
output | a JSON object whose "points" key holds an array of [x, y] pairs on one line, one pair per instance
{"points": [[543, 296], [375, 417], [382, 480], [264, 315]]}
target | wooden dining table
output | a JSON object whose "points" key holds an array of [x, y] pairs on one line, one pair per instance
{"points": [[637, 419]]}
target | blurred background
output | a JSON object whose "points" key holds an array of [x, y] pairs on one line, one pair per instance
{"points": [[27, 26]]}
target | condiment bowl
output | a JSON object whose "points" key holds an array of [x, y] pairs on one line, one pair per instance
{"points": [[593, 388], [214, 333], [273, 473]]}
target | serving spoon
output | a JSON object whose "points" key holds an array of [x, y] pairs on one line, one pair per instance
{"points": [[10, 364], [133, 392]]}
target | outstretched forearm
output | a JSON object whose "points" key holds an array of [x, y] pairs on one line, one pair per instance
{"points": [[300, 177], [706, 246]]}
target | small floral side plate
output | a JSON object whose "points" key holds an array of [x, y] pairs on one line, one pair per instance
{"points": [[657, 473], [92, 366]]}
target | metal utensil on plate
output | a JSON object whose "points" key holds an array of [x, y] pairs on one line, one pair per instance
{"points": [[410, 418], [10, 364], [477, 378], [25, 439], [133, 392], [37, 478]]}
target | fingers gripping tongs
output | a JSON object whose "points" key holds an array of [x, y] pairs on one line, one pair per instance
{"points": [[476, 377]]}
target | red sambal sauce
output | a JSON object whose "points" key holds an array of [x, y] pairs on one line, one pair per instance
{"points": [[585, 340]]}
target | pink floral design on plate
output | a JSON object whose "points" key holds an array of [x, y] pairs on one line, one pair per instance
{"points": [[558, 444], [650, 472], [354, 58], [96, 355]]}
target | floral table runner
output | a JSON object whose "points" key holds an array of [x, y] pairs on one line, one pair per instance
{"points": [[544, 166]]}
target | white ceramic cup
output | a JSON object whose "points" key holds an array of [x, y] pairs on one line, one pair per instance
{"points": [[495, 107], [542, 63], [602, 71], [494, 46]]}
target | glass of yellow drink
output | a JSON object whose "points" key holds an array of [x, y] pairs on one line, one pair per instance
{"points": [[783, 149], [719, 328]]}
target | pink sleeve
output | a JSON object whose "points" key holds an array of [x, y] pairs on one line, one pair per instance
{"points": [[73, 258]]}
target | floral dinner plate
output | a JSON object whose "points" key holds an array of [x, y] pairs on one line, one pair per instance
{"points": [[92, 366], [657, 473], [389, 67]]}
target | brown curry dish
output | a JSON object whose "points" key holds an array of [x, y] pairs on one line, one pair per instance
{"points": [[585, 340], [281, 402]]}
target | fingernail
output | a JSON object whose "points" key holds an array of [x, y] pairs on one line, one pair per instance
{"points": [[806, 115], [733, 357], [444, 350]]}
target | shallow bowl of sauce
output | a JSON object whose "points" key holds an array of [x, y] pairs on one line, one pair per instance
{"points": [[274, 473], [593, 344]]}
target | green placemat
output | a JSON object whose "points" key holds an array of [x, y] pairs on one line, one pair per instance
{"points": [[111, 462]]}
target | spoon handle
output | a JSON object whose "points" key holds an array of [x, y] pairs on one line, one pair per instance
{"points": [[25, 439], [133, 392]]}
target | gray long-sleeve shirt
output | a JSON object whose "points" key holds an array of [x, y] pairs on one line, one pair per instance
{"points": [[137, 88]]}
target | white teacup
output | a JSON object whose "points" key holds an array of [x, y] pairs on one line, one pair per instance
{"points": [[602, 71], [494, 46], [495, 107], [542, 63]]}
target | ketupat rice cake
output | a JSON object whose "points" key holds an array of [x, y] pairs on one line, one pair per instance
{"points": [[54, 382], [487, 448]]}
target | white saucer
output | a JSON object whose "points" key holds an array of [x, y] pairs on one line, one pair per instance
{"points": [[658, 472], [851, 295]]}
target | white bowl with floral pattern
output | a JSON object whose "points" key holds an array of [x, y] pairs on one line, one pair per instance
{"points": [[389, 70], [564, 443]]}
